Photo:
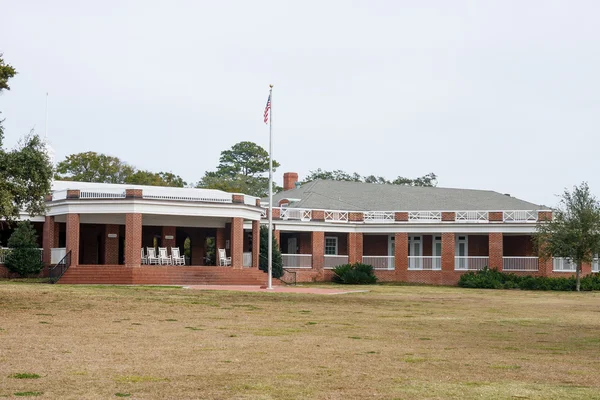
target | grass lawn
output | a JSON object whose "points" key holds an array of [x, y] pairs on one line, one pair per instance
{"points": [[404, 342]]}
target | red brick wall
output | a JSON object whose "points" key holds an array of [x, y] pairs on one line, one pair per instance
{"points": [[318, 215], [111, 245], [448, 216], [495, 216], [544, 215], [133, 239], [237, 198], [355, 247], [134, 193], [48, 239], [289, 180], [375, 245], [318, 250], [495, 250], [168, 243], [401, 254], [401, 216], [448, 251], [220, 239], [355, 216], [478, 245], [73, 238], [237, 242]]}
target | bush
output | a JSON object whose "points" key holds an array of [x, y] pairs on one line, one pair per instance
{"points": [[493, 279], [354, 274], [24, 256], [263, 261]]}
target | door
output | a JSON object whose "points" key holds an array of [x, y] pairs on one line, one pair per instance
{"points": [[462, 251], [292, 245], [415, 252]]}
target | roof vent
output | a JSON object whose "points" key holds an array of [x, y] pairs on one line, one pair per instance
{"points": [[297, 184], [507, 194]]}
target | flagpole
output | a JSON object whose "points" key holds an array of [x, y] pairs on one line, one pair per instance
{"points": [[270, 237]]}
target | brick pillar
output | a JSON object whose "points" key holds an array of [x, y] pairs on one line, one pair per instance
{"points": [[401, 253], [171, 232], [545, 266], [448, 250], [586, 269], [237, 242], [133, 239], [277, 236], [111, 244], [73, 238], [220, 241], [255, 244], [496, 250], [355, 247], [48, 240], [318, 251]]}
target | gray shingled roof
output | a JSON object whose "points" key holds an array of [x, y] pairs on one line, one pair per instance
{"points": [[356, 196]]}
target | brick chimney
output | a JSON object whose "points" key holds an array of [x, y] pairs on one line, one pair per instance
{"points": [[289, 180]]}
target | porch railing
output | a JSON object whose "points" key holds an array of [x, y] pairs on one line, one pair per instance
{"points": [[5, 250], [296, 213], [247, 259], [520, 264], [561, 264], [428, 263], [470, 263], [379, 262], [425, 216], [520, 216], [336, 216], [60, 268], [297, 260], [102, 195], [472, 216], [57, 254], [596, 265], [378, 216], [332, 261]]}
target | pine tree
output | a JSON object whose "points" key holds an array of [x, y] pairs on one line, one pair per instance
{"points": [[264, 251], [24, 256]]}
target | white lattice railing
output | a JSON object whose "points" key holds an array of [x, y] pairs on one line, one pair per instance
{"points": [[379, 262], [472, 216], [332, 261], [185, 198], [59, 195], [102, 195], [520, 216], [596, 265], [433, 263], [378, 216], [520, 264], [5, 250], [336, 216], [561, 264], [297, 260], [296, 213], [470, 263], [247, 259], [425, 216]]}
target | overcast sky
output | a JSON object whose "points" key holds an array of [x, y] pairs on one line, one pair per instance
{"points": [[501, 95]]}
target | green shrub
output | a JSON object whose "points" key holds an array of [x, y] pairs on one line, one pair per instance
{"points": [[493, 279], [354, 274], [24, 256], [264, 251]]}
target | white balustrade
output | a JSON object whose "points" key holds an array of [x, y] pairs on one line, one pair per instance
{"points": [[379, 262], [59, 195], [425, 216], [470, 263], [296, 213], [186, 194], [102, 195], [520, 216], [332, 261], [297, 260], [336, 216], [520, 264], [378, 216], [57, 254], [596, 265], [561, 264], [433, 263], [247, 259], [472, 216]]}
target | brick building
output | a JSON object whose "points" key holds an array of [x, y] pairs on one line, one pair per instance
{"points": [[411, 234]]}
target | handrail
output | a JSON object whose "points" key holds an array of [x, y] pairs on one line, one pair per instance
{"points": [[56, 272]]}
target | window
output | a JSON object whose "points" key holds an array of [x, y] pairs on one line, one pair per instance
{"points": [[331, 245]]}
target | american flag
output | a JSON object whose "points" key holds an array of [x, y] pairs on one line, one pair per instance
{"points": [[267, 108]]}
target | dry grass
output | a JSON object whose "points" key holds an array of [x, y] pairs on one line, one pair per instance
{"points": [[399, 342]]}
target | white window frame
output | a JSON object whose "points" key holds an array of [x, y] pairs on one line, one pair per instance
{"points": [[335, 238]]}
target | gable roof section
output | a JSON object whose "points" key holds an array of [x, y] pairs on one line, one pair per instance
{"points": [[357, 196]]}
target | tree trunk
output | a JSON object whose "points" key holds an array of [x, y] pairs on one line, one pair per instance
{"points": [[577, 276]]}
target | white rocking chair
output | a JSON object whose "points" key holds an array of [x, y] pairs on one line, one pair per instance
{"points": [[163, 257], [176, 258], [151, 258], [144, 258], [224, 261]]}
